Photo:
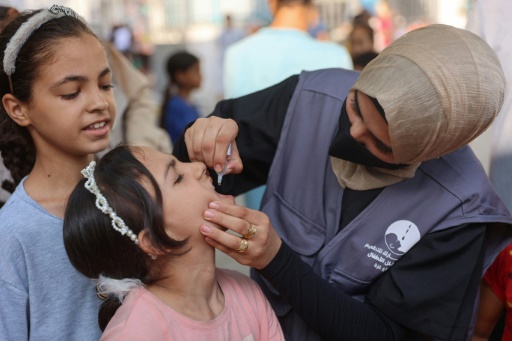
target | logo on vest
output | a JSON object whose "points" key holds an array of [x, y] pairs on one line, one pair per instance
{"points": [[401, 236]]}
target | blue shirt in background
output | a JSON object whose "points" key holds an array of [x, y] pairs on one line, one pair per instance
{"points": [[178, 114], [270, 56], [273, 54]]}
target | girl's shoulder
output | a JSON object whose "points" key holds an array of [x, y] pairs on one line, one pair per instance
{"points": [[138, 308], [21, 214], [142, 304], [142, 316]]}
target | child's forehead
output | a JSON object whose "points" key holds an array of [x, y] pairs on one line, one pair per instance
{"points": [[150, 156], [81, 45], [75, 55]]}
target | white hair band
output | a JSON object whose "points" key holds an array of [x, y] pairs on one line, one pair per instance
{"points": [[102, 204], [25, 31]]}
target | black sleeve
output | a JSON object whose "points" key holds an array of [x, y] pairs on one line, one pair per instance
{"points": [[401, 300], [260, 117], [333, 314], [434, 288]]}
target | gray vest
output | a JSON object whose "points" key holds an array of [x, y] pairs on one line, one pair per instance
{"points": [[303, 200]]}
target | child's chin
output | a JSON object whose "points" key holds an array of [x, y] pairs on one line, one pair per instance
{"points": [[229, 199]]}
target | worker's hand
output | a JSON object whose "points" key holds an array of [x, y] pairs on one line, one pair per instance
{"points": [[260, 242], [208, 140]]}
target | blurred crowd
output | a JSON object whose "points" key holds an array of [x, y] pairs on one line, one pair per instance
{"points": [[359, 40]]}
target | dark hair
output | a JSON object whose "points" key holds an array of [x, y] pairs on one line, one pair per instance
{"points": [[363, 59], [362, 17], [177, 62], [16, 144], [94, 247]]}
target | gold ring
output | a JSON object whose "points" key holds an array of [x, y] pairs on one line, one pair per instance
{"points": [[251, 231], [244, 245]]}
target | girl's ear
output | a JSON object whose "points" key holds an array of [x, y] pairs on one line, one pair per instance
{"points": [[16, 110], [145, 244]]}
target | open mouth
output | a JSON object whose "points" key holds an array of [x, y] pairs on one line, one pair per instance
{"points": [[97, 125]]}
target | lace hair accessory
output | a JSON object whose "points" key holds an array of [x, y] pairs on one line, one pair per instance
{"points": [[106, 286], [102, 204], [25, 31]]}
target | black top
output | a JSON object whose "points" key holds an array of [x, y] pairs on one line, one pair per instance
{"points": [[431, 290]]}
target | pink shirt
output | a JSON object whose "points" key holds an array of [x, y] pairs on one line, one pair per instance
{"points": [[247, 316]]}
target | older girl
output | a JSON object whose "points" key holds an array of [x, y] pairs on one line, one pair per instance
{"points": [[57, 112]]}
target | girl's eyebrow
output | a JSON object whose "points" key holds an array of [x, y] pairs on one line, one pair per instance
{"points": [[79, 78], [72, 78], [358, 112], [170, 165], [104, 72]]}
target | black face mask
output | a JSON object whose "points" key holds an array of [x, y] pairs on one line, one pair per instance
{"points": [[345, 147]]}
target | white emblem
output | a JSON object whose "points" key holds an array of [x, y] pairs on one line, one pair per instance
{"points": [[401, 236]]}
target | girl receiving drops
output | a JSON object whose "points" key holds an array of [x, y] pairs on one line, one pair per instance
{"points": [[131, 223]]}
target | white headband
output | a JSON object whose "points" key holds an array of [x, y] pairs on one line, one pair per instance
{"points": [[102, 204], [25, 31]]}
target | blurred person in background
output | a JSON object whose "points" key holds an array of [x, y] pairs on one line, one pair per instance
{"points": [[276, 52], [494, 320], [184, 72], [360, 40], [384, 26], [361, 45], [362, 17], [229, 35], [317, 28], [489, 19]]}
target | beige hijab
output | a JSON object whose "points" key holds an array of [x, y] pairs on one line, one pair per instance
{"points": [[440, 87]]}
